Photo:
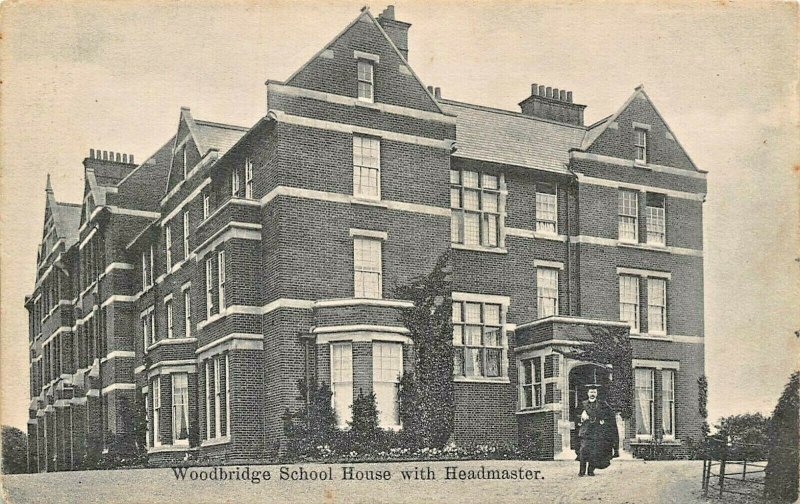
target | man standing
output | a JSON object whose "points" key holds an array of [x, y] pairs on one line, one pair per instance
{"points": [[598, 433]]}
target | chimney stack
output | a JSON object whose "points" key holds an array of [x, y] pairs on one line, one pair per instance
{"points": [[553, 104], [396, 30], [437, 92]]}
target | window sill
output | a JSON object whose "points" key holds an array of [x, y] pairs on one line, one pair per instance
{"points": [[651, 337], [539, 235], [361, 200], [361, 102], [170, 341], [547, 408], [479, 248], [643, 246], [170, 448], [216, 441], [641, 164], [480, 379]]}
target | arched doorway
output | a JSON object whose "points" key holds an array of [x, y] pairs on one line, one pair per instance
{"points": [[580, 376]]}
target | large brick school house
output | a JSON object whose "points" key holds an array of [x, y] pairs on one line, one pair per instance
{"points": [[186, 295]]}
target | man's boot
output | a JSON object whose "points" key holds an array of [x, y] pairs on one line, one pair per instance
{"points": [[582, 471], [591, 469]]}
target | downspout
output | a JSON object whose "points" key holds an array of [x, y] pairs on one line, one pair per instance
{"points": [[573, 184]]}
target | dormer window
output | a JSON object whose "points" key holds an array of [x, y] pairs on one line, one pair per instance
{"points": [[640, 143], [366, 81]]}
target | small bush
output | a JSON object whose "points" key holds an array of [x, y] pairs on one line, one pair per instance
{"points": [[784, 438]]}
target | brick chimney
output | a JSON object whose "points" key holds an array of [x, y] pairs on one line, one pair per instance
{"points": [[397, 30], [553, 104], [109, 167]]}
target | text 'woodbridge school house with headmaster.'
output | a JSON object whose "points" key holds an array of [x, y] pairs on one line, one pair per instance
{"points": [[184, 297]]}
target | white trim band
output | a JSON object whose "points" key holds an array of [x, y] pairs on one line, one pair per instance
{"points": [[616, 184], [644, 273], [118, 386], [539, 263], [627, 162], [369, 233], [656, 364], [481, 298]]}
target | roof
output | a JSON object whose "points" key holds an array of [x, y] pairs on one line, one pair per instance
{"points": [[67, 218], [501, 136], [220, 137]]}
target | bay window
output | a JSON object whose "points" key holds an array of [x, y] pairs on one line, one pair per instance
{"points": [[387, 366], [668, 403], [530, 380], [180, 408], [342, 381]]}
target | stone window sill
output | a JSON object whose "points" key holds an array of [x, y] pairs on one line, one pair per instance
{"points": [[478, 248]]}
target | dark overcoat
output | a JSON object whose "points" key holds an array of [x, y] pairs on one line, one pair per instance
{"points": [[598, 434]]}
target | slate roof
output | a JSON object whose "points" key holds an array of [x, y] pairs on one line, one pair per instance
{"points": [[501, 136], [67, 218], [136, 190], [219, 136]]}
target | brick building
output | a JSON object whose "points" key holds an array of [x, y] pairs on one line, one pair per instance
{"points": [[183, 299]]}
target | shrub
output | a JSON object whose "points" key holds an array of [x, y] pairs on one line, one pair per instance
{"points": [[747, 434], [15, 451], [784, 438]]}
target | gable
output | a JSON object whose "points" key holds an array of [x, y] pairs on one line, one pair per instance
{"points": [[335, 68], [616, 137]]}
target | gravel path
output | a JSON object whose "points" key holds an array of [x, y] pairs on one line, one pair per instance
{"points": [[631, 481]]}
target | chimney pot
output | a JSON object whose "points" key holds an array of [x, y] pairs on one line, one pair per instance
{"points": [[124, 158], [105, 155], [437, 91], [91, 153], [119, 157], [549, 91], [563, 95], [541, 91], [555, 93], [130, 158], [534, 89], [388, 12], [430, 89], [569, 96]]}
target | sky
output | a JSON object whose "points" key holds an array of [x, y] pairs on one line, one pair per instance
{"points": [[110, 75]]}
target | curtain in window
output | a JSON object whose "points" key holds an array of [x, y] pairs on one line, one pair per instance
{"points": [[668, 402], [387, 366], [180, 407], [643, 379], [342, 381], [547, 291]]}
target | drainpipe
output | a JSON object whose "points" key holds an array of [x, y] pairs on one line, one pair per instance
{"points": [[573, 184]]}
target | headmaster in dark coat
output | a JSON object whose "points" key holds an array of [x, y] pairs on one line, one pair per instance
{"points": [[598, 433]]}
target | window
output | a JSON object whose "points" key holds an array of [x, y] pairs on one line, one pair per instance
{"points": [[342, 381], [208, 399], [185, 162], [387, 366], [640, 142], [629, 301], [475, 203], [643, 380], [209, 287], [628, 209], [546, 211], [187, 313], [366, 167], [668, 402], [206, 204], [221, 279], [147, 268], [531, 383], [148, 327], [656, 305], [656, 219], [156, 411], [367, 268], [168, 245], [248, 178], [227, 396], [186, 234], [365, 81], [235, 182], [547, 291], [170, 326], [478, 341], [148, 433], [217, 400], [180, 408]]}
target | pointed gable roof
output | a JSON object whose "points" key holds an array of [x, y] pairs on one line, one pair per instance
{"points": [[66, 216], [367, 16], [206, 135], [596, 131]]}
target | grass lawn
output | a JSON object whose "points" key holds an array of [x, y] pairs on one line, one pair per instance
{"points": [[625, 481]]}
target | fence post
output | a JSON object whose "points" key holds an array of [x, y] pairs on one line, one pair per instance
{"points": [[744, 469]]}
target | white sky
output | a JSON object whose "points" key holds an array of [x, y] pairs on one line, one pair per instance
{"points": [[113, 75]]}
